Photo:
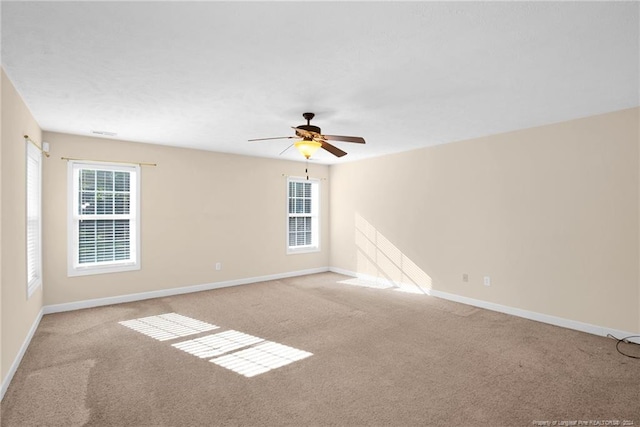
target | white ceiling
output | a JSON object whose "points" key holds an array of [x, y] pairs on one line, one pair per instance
{"points": [[210, 75]]}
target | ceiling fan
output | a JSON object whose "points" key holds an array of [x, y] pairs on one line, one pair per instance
{"points": [[312, 139]]}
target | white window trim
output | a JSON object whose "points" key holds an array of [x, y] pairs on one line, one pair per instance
{"points": [[315, 209], [33, 152], [73, 267]]}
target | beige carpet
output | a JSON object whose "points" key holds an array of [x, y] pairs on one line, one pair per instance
{"points": [[378, 357]]}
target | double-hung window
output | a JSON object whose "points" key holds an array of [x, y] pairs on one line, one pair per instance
{"points": [[104, 211], [303, 230], [34, 218]]}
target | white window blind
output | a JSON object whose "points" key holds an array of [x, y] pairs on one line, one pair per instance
{"points": [[104, 217], [34, 218], [303, 221]]}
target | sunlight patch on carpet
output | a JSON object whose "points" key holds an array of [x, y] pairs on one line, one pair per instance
{"points": [[218, 344], [367, 283], [409, 289], [254, 356], [168, 326], [260, 358]]}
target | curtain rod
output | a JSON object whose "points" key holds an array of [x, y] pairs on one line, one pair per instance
{"points": [[110, 161], [27, 139]]}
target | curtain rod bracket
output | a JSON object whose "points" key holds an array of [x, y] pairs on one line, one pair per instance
{"points": [[44, 149]]}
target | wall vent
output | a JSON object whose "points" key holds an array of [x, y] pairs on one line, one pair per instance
{"points": [[103, 133]]}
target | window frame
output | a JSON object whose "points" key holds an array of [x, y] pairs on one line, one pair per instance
{"points": [[315, 216], [74, 268], [33, 153]]}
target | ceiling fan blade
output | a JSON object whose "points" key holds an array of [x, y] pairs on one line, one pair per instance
{"points": [[283, 151], [333, 149], [356, 139], [277, 137]]}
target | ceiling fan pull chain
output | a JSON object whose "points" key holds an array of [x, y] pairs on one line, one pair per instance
{"points": [[306, 169]]}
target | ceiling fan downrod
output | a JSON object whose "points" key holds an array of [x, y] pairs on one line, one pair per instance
{"points": [[308, 117]]}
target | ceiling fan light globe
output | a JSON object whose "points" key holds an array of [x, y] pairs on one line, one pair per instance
{"points": [[307, 147]]}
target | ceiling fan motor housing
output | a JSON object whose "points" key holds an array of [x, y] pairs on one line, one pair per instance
{"points": [[309, 128]]}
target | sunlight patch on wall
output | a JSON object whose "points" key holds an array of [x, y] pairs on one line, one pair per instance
{"points": [[379, 258], [215, 345], [260, 358], [168, 326], [413, 279]]}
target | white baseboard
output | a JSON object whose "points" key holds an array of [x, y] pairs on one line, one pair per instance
{"points": [[98, 302], [526, 314], [16, 362]]}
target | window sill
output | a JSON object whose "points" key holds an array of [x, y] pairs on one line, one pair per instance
{"points": [[88, 271], [303, 250]]}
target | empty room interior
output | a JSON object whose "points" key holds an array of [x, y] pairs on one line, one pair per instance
{"points": [[320, 213]]}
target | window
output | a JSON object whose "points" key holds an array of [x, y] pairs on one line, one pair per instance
{"points": [[34, 228], [103, 218], [302, 221]]}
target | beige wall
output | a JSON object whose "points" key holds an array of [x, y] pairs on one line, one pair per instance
{"points": [[551, 214], [637, 131], [2, 374], [197, 208], [17, 312]]}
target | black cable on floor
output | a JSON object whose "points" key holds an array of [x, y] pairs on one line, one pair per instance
{"points": [[626, 341]]}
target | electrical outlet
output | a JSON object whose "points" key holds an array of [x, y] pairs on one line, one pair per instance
{"points": [[487, 281], [465, 277], [218, 266]]}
